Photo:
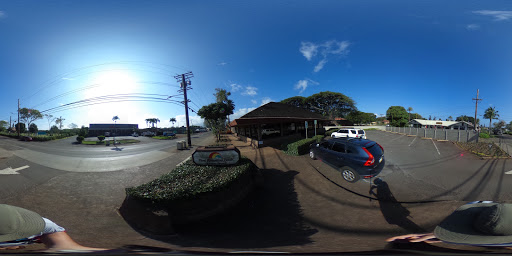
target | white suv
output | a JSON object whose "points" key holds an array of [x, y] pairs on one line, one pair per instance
{"points": [[269, 132], [349, 133]]}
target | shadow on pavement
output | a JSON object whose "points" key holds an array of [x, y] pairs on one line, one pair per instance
{"points": [[270, 216], [391, 209]]}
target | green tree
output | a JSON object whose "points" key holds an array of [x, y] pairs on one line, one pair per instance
{"points": [[397, 116], [416, 116], [32, 128], [172, 120], [216, 114], [84, 131], [499, 125], [21, 128], [331, 104], [3, 125], [491, 113], [450, 118], [54, 129], [358, 117], [221, 95], [296, 101], [29, 115]]}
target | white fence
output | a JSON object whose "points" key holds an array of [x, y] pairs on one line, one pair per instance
{"points": [[438, 134]]}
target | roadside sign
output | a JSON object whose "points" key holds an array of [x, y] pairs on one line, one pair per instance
{"points": [[306, 124], [315, 122]]}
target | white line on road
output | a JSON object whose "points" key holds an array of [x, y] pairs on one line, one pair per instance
{"points": [[9, 170], [509, 172], [436, 147], [413, 141]]}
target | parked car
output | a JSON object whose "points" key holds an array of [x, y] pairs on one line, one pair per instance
{"points": [[349, 133], [270, 132], [355, 158], [26, 138], [169, 134], [135, 134]]}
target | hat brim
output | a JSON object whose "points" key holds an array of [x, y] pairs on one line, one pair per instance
{"points": [[29, 224], [458, 227]]}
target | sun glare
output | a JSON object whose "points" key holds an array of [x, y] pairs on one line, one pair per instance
{"points": [[112, 82]]}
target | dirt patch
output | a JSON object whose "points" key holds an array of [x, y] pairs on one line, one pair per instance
{"points": [[483, 149]]}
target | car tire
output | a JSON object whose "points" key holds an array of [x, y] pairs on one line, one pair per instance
{"points": [[349, 174], [312, 155], [332, 136]]}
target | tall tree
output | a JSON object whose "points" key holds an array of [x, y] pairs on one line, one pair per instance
{"points": [[216, 114], [409, 109], [3, 125], [172, 120], [450, 118], [397, 116], [221, 95], [491, 113], [50, 119], [29, 115], [331, 104], [115, 119], [296, 101], [59, 121], [32, 128]]}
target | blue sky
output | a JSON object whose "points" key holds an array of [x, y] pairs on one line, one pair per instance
{"points": [[428, 55]]}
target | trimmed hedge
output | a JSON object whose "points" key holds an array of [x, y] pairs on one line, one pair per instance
{"points": [[190, 181], [38, 137], [301, 147]]}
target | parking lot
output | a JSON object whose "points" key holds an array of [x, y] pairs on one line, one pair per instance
{"points": [[419, 169]]}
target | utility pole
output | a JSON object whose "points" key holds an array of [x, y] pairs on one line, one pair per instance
{"points": [[184, 80], [19, 126], [476, 105]]}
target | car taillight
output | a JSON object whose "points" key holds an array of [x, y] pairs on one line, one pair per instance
{"points": [[370, 160], [381, 148]]}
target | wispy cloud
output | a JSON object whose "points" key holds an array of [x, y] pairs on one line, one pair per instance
{"points": [[67, 78], [251, 91], [254, 101], [240, 112], [266, 100], [302, 85], [497, 15], [235, 87], [324, 50], [473, 27], [222, 63], [2, 14]]}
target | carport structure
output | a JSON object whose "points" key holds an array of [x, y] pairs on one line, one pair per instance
{"points": [[284, 118]]}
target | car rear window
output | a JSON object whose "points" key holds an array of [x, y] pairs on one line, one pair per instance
{"points": [[374, 149], [338, 147], [352, 132], [360, 132]]}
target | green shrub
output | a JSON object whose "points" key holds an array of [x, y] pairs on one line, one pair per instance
{"points": [[80, 139], [484, 135], [101, 137], [189, 180], [301, 147], [330, 131]]}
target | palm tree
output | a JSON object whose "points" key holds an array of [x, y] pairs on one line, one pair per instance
{"points": [[450, 118], [409, 109], [172, 120], [491, 113], [115, 118]]}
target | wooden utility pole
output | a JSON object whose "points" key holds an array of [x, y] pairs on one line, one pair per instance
{"points": [[185, 82], [476, 105], [19, 126]]}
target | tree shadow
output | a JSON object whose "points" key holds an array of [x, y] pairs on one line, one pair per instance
{"points": [[117, 149], [391, 209], [269, 216]]}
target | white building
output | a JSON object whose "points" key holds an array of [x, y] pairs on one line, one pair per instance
{"points": [[455, 125]]}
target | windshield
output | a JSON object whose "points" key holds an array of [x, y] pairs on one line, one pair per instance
{"points": [[194, 124]]}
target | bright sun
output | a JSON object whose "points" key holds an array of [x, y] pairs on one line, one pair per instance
{"points": [[112, 82]]}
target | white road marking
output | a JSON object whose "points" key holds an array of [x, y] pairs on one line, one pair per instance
{"points": [[509, 172], [184, 161], [413, 141], [436, 147], [9, 170]]}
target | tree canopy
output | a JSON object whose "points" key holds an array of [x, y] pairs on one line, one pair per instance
{"points": [[215, 115], [331, 104], [397, 116], [358, 117], [29, 115]]}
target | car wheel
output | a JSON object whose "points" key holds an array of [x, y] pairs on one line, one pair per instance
{"points": [[312, 155], [349, 174], [332, 136]]}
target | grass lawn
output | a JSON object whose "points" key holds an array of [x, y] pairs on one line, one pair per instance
{"points": [[164, 137]]}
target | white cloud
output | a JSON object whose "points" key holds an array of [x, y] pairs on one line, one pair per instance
{"points": [[254, 101], [265, 100], [2, 14], [320, 65], [240, 112], [235, 87], [473, 27], [325, 50], [222, 63], [251, 91], [181, 121], [308, 49], [67, 78], [498, 15], [303, 84]]}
